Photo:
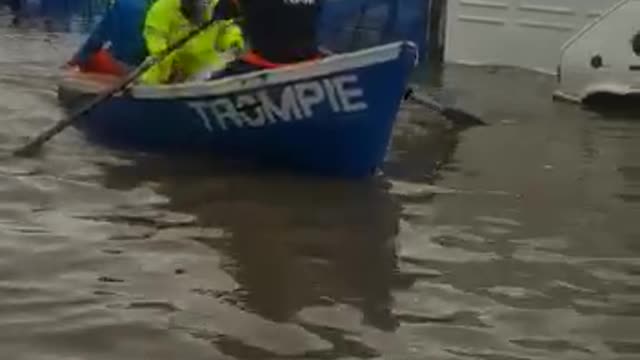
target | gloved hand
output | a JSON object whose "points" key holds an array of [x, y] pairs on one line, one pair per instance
{"points": [[230, 37]]}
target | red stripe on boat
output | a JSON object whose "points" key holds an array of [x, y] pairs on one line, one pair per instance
{"points": [[254, 59]]}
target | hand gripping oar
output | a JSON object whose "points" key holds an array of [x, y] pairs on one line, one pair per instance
{"points": [[457, 116], [33, 145]]}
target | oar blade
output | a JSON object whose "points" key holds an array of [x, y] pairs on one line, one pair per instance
{"points": [[28, 150], [457, 116], [462, 118]]}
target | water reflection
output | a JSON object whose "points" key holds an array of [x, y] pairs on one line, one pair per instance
{"points": [[294, 244], [423, 146], [291, 243]]}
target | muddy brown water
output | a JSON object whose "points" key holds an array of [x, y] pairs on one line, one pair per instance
{"points": [[519, 240]]}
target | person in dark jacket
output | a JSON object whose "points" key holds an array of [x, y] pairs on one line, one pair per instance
{"points": [[279, 33]]}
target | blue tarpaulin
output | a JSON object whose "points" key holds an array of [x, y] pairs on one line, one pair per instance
{"points": [[355, 24]]}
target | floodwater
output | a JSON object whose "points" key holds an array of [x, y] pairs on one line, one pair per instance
{"points": [[518, 240]]}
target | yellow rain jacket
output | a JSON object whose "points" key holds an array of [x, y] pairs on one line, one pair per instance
{"points": [[165, 24]]}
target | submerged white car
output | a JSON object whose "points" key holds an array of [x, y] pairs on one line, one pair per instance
{"points": [[604, 57]]}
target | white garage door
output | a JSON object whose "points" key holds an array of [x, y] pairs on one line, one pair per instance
{"points": [[523, 33]]}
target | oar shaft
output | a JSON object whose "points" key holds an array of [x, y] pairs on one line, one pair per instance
{"points": [[46, 135], [424, 100], [84, 109], [456, 116]]}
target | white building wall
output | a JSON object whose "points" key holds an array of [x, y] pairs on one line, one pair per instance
{"points": [[522, 33]]}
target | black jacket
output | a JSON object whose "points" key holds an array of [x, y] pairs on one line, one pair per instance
{"points": [[281, 31]]}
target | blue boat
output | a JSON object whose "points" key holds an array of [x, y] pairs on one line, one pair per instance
{"points": [[331, 117]]}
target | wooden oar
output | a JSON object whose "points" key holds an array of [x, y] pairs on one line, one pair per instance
{"points": [[32, 146], [457, 116]]}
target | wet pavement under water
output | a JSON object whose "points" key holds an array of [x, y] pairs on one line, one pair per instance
{"points": [[518, 240]]}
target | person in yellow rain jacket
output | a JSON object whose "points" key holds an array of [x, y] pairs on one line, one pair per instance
{"points": [[168, 21]]}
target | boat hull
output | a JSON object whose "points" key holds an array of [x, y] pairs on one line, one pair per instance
{"points": [[331, 117]]}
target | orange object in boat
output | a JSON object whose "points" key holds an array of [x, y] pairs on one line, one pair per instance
{"points": [[103, 63]]}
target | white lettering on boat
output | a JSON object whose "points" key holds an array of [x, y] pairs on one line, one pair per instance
{"points": [[297, 2], [297, 101]]}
